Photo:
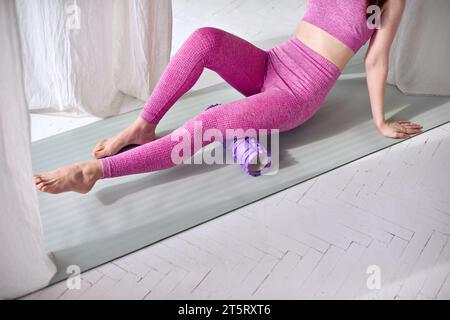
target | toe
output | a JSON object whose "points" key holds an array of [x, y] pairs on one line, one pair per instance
{"points": [[100, 151], [40, 186], [100, 154], [49, 188], [43, 178], [99, 147], [96, 153], [102, 143]]}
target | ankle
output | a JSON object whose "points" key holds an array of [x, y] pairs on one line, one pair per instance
{"points": [[140, 128], [143, 124], [92, 170]]}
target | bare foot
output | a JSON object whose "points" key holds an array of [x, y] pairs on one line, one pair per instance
{"points": [[140, 132], [79, 177]]}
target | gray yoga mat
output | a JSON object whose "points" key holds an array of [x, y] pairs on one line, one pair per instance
{"points": [[123, 215]]}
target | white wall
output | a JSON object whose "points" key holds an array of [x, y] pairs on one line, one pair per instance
{"points": [[262, 22]]}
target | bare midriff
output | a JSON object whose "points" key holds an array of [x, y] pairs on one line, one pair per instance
{"points": [[324, 44]]}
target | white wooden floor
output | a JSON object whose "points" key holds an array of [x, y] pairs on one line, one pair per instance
{"points": [[390, 210]]}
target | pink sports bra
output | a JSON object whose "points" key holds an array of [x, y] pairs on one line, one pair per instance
{"points": [[343, 19]]}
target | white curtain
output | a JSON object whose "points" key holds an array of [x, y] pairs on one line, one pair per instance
{"points": [[419, 56], [100, 57], [24, 265]]}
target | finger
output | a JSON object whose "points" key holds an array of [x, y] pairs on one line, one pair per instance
{"points": [[412, 130], [413, 125], [402, 135], [410, 124], [417, 132]]}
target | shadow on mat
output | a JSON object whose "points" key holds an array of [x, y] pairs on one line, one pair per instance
{"points": [[338, 115]]}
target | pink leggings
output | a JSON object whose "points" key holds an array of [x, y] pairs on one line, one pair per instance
{"points": [[283, 88]]}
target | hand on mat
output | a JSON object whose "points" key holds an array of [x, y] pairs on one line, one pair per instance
{"points": [[400, 129]]}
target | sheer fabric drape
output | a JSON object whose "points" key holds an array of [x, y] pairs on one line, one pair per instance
{"points": [[99, 57], [24, 264], [419, 56]]}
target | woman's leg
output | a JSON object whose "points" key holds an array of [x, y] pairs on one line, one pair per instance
{"points": [[237, 61], [273, 109]]}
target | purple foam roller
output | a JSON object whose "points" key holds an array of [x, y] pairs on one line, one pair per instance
{"points": [[253, 158]]}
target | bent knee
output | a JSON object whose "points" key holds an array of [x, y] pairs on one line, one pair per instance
{"points": [[208, 38], [208, 33]]}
